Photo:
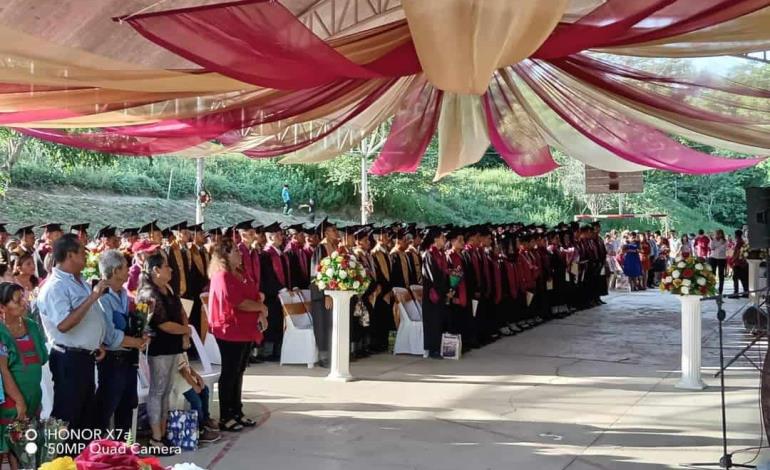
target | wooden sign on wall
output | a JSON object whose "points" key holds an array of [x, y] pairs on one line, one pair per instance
{"points": [[600, 181]]}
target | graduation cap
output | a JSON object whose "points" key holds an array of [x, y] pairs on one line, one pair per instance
{"points": [[166, 232], [245, 225], [272, 228], [215, 231], [454, 233], [180, 226], [195, 228], [259, 229], [229, 231], [51, 227], [362, 233], [22, 231], [296, 228], [132, 231], [106, 232], [2, 227], [320, 229], [79, 227], [151, 227]]}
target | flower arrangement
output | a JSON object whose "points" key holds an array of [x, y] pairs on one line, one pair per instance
{"points": [[455, 276], [341, 272], [62, 463], [138, 319], [689, 276], [91, 271]]}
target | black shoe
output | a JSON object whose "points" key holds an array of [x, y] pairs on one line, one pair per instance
{"points": [[323, 364], [435, 355], [273, 359], [255, 360]]}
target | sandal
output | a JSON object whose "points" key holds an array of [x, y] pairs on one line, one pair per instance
{"points": [[249, 423], [231, 425]]}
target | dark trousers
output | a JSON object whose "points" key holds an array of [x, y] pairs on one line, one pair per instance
{"points": [[322, 319], [382, 323], [116, 394], [235, 359], [200, 403], [741, 273], [719, 266], [73, 388]]}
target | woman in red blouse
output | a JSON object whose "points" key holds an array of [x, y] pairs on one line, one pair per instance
{"points": [[238, 318]]}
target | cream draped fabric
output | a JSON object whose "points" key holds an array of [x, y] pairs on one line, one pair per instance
{"points": [[353, 132], [559, 134], [744, 34], [460, 43], [462, 133]]}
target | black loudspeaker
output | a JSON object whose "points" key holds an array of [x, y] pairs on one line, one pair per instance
{"points": [[758, 217]]}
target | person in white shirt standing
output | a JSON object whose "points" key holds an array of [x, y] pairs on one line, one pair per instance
{"points": [[718, 257]]}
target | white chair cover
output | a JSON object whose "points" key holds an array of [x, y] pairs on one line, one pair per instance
{"points": [[299, 346], [208, 374], [417, 295], [409, 337]]}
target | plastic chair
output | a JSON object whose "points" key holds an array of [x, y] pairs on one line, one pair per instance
{"points": [[409, 337], [299, 346], [208, 374]]}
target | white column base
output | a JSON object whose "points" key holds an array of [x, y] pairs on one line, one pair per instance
{"points": [[691, 343], [339, 369]]}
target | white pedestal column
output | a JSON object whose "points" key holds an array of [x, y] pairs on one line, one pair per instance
{"points": [[340, 354], [691, 343], [755, 281]]}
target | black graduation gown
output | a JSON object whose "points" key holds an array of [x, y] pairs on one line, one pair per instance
{"points": [[271, 284], [382, 318], [435, 287], [401, 272], [322, 317], [176, 271], [197, 281]]}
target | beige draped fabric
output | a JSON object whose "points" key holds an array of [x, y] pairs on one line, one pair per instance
{"points": [[750, 139], [460, 43], [462, 133], [559, 134], [744, 34], [352, 133]]}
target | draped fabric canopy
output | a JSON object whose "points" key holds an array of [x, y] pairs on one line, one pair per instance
{"points": [[608, 82]]}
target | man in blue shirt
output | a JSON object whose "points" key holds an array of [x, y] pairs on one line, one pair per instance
{"points": [[77, 330], [286, 200]]}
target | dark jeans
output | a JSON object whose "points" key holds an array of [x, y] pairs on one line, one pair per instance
{"points": [[286, 207], [235, 359], [116, 394], [73, 388], [719, 266], [741, 273], [200, 403]]}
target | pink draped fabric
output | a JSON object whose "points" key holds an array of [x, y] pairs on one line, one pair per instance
{"points": [[170, 136], [678, 98], [624, 22], [523, 149], [630, 140], [263, 43], [413, 127]]}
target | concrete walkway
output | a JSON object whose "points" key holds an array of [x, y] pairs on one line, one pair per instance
{"points": [[592, 391]]}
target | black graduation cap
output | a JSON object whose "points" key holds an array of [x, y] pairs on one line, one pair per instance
{"points": [[151, 227], [52, 227], [215, 231], [297, 227], [228, 233], [79, 227], [2, 227], [166, 232], [321, 227], [454, 233], [106, 232], [25, 231], [362, 233], [180, 226], [259, 229], [272, 228], [130, 231], [245, 225], [195, 228]]}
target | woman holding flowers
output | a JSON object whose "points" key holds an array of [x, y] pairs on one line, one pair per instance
{"points": [[238, 318], [22, 355]]}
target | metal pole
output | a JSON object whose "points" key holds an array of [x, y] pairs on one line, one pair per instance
{"points": [[364, 190], [620, 203], [198, 189], [170, 178]]}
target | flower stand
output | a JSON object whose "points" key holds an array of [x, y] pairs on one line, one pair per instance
{"points": [[691, 343], [340, 354]]}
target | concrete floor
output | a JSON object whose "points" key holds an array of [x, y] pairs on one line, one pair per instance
{"points": [[592, 391]]}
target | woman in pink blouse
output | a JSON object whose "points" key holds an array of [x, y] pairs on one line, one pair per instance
{"points": [[237, 319]]}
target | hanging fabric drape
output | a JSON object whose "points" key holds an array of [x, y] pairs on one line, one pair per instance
{"points": [[462, 42], [462, 133], [413, 127]]}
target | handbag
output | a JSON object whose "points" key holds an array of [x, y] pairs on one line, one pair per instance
{"points": [[451, 346], [182, 429]]}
